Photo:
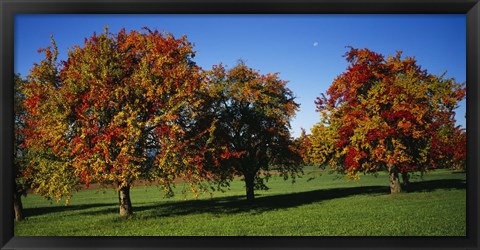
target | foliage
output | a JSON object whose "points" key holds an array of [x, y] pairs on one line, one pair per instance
{"points": [[385, 114], [303, 146], [120, 109], [448, 148], [322, 150], [22, 181], [252, 114], [51, 173]]}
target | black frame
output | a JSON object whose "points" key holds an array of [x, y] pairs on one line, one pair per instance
{"points": [[9, 8]]}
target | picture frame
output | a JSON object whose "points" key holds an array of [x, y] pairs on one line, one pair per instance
{"points": [[9, 8]]}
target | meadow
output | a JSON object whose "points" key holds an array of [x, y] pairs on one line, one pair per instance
{"points": [[328, 205]]}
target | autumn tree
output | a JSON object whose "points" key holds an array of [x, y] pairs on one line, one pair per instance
{"points": [[321, 151], [120, 109], [385, 114], [448, 148], [252, 114], [303, 145], [22, 182]]}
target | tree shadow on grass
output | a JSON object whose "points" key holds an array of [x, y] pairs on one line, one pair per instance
{"points": [[261, 204], [35, 211], [238, 204], [428, 186]]}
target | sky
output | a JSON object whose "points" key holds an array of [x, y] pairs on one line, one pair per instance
{"points": [[306, 50]]}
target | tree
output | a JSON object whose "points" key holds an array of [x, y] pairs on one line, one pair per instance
{"points": [[384, 114], [50, 175], [303, 146], [22, 182], [448, 148], [321, 151], [119, 110], [251, 114]]}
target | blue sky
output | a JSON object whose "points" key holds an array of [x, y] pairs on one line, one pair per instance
{"points": [[305, 49]]}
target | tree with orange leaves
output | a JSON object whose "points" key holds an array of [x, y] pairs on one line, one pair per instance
{"points": [[303, 146], [386, 114], [121, 108]]}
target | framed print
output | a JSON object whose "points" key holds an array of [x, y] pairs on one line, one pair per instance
{"points": [[239, 125]]}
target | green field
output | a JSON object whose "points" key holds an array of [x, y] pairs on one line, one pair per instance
{"points": [[328, 205]]}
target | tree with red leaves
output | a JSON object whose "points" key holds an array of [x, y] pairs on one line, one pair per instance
{"points": [[22, 179], [303, 146], [388, 114], [122, 108]]}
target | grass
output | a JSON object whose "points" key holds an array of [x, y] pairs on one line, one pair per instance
{"points": [[325, 206]]}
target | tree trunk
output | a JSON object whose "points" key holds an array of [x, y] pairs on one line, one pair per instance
{"points": [[405, 179], [249, 186], [395, 186], [125, 203], [17, 206]]}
